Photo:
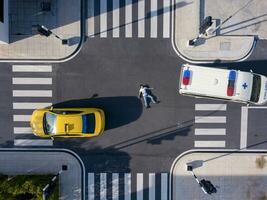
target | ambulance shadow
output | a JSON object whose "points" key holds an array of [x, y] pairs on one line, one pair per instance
{"points": [[118, 110], [257, 66]]}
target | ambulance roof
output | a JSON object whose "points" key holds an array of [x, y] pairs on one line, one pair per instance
{"points": [[213, 82]]}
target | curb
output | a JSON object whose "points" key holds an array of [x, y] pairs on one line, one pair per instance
{"points": [[60, 60], [228, 151], [54, 150], [201, 61]]}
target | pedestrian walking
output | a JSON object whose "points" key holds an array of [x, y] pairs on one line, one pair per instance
{"points": [[143, 92]]}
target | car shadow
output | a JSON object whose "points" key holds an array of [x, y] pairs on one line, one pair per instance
{"points": [[118, 110]]}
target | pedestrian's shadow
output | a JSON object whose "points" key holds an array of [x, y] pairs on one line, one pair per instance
{"points": [[118, 110]]}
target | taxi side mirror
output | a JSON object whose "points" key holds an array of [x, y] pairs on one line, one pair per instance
{"points": [[251, 70], [51, 108]]}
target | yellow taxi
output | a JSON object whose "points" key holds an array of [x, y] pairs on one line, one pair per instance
{"points": [[67, 122]]}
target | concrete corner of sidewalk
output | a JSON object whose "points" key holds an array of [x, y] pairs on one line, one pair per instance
{"points": [[47, 161], [62, 40], [235, 175], [187, 16]]}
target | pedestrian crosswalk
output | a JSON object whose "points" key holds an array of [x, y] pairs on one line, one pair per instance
{"points": [[32, 89], [129, 18], [128, 186], [216, 124]]}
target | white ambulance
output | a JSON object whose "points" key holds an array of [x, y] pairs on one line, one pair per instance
{"points": [[223, 84]]}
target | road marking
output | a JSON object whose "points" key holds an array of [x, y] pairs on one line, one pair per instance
{"points": [[32, 68], [103, 186], [166, 18], [210, 131], [244, 127], [141, 18], [91, 19], [29, 142], [22, 130], [30, 105], [128, 18], [219, 107], [139, 186], [153, 19], [32, 81], [151, 187], [202, 144], [103, 18], [91, 186], [164, 186], [21, 118], [208, 119], [116, 19], [32, 93], [127, 186], [115, 186]]}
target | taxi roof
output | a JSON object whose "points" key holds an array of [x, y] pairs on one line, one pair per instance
{"points": [[213, 82]]}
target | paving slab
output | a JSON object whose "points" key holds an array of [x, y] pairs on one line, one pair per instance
{"points": [[236, 175], [45, 161], [187, 17]]}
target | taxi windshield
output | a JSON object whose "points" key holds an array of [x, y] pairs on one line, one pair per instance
{"points": [[49, 121], [256, 87]]}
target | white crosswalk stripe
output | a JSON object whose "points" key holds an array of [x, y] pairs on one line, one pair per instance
{"points": [[27, 75], [152, 18], [210, 144], [117, 186], [139, 186], [31, 81], [210, 130], [32, 142], [31, 68], [151, 189], [32, 93], [22, 130]]}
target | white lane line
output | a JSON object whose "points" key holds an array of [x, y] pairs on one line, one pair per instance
{"points": [[32, 81], [153, 19], [115, 186], [91, 19], [127, 186], [164, 186], [91, 186], [31, 105], [116, 19], [244, 128], [205, 144], [21, 118], [22, 130], [141, 18], [151, 186], [210, 131], [32, 68], [32, 93], [103, 186], [208, 119], [35, 142], [166, 18], [219, 107], [139, 186], [103, 18], [128, 18]]}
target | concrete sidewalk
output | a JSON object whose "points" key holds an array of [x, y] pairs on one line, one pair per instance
{"points": [[236, 175], [187, 17], [47, 161], [65, 19]]}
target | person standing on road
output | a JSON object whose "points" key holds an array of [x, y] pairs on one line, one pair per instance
{"points": [[143, 92]]}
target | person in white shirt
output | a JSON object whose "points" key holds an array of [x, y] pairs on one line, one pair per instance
{"points": [[143, 93]]}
